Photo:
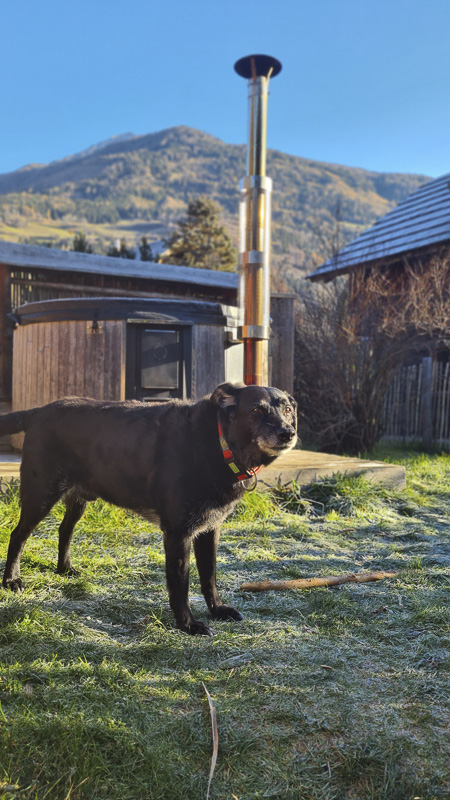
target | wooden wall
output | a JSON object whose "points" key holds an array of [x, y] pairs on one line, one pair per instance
{"points": [[6, 334], [59, 359], [416, 407], [208, 368], [281, 345]]}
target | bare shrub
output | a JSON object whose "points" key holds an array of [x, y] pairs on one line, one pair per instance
{"points": [[351, 337]]}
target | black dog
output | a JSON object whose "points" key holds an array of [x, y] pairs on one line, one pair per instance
{"points": [[177, 464]]}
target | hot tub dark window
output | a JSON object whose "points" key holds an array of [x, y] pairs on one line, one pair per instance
{"points": [[158, 362], [160, 359]]}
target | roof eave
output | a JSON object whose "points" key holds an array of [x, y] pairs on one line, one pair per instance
{"points": [[35, 257]]}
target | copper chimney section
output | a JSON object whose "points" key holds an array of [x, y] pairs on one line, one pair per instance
{"points": [[254, 222]]}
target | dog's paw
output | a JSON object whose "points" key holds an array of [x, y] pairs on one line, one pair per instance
{"points": [[226, 612], [196, 628], [69, 572], [14, 584]]}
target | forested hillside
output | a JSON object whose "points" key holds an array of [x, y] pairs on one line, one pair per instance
{"points": [[134, 186]]}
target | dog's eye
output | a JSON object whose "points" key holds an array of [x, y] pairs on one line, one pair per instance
{"points": [[258, 410], [288, 411]]}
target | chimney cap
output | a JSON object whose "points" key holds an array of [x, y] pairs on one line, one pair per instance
{"points": [[257, 65]]}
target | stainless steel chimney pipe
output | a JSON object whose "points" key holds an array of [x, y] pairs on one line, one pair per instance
{"points": [[254, 223]]}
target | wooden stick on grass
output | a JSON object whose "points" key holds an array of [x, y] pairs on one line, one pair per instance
{"points": [[311, 583]]}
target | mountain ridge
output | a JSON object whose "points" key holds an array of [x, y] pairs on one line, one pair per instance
{"points": [[133, 185]]}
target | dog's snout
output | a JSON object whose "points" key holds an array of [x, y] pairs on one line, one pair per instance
{"points": [[286, 435]]}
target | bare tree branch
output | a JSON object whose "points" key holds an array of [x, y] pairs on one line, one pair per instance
{"points": [[351, 337]]}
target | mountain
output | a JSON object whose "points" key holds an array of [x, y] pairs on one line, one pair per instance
{"points": [[131, 186], [121, 137]]}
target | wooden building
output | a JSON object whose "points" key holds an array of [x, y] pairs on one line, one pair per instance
{"points": [[85, 324], [418, 228], [415, 234], [29, 274]]}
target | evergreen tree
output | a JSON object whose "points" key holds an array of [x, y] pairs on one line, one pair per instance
{"points": [[200, 241], [80, 243], [122, 251], [145, 250]]}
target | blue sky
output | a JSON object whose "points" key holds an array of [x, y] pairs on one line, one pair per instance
{"points": [[363, 83]]}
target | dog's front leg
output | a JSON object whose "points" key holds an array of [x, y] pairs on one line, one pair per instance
{"points": [[205, 548], [178, 550]]}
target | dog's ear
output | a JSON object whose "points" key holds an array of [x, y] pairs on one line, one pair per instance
{"points": [[225, 395]]}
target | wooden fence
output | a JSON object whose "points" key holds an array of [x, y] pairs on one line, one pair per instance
{"points": [[417, 405]]}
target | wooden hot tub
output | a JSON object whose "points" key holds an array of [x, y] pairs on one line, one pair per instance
{"points": [[119, 348]]}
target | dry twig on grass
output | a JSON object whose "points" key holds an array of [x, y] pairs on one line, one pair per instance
{"points": [[311, 583], [215, 736]]}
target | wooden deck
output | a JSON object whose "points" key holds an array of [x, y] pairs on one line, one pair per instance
{"points": [[306, 467], [301, 465], [9, 467]]}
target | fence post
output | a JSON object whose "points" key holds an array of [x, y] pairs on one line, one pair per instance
{"points": [[281, 345], [427, 403]]}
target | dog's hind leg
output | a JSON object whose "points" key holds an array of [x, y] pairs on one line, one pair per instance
{"points": [[75, 506], [205, 548], [38, 494], [29, 518]]}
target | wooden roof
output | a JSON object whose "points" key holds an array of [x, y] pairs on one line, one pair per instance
{"points": [[422, 220], [23, 256]]}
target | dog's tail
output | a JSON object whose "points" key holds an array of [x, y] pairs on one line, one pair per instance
{"points": [[16, 422]]}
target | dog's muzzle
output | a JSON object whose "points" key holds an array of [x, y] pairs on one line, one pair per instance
{"points": [[279, 442], [286, 436]]}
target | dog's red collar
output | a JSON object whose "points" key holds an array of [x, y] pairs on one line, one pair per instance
{"points": [[239, 473]]}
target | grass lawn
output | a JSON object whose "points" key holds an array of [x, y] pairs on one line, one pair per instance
{"points": [[324, 694]]}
